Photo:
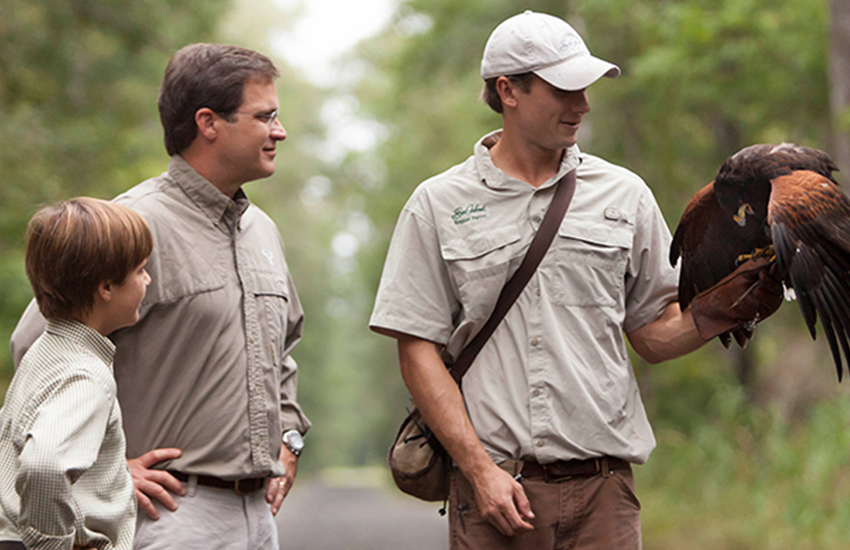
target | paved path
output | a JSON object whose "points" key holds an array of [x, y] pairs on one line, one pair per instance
{"points": [[322, 514]]}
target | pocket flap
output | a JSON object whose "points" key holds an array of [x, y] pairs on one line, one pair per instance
{"points": [[270, 284], [606, 234], [478, 244]]}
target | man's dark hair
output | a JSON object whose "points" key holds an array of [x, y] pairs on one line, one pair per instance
{"points": [[490, 95], [206, 75]]}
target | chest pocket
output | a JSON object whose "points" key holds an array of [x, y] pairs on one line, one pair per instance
{"points": [[478, 265], [588, 264], [272, 301]]}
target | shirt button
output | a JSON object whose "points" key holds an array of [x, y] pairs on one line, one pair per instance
{"points": [[535, 341], [535, 219], [536, 392], [540, 443]]}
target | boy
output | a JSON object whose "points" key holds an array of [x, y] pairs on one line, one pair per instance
{"points": [[64, 480]]}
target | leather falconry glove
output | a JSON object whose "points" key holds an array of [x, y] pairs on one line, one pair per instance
{"points": [[747, 296]]}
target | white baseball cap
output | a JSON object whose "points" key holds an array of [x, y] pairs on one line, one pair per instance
{"points": [[547, 46]]}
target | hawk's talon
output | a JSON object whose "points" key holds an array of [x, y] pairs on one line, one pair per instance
{"points": [[766, 252]]}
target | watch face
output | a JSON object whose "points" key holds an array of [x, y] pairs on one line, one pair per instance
{"points": [[293, 441]]}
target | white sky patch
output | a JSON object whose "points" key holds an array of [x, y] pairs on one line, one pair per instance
{"points": [[345, 245], [327, 29], [348, 130], [315, 190]]}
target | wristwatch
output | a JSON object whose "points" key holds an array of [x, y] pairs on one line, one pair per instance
{"points": [[293, 441]]}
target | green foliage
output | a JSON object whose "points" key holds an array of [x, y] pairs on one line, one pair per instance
{"points": [[702, 79], [78, 80], [745, 478]]}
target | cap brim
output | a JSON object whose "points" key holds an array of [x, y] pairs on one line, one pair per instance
{"points": [[578, 73]]}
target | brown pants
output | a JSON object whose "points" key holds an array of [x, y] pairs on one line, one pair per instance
{"points": [[599, 512]]}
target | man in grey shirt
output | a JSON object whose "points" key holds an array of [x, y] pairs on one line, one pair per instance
{"points": [[550, 417], [205, 378]]}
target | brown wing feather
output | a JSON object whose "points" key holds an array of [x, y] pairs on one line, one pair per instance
{"points": [[709, 243], [809, 217]]}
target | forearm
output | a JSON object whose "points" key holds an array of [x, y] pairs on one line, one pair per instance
{"points": [[672, 335], [438, 398]]}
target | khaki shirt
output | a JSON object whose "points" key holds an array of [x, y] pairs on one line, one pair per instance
{"points": [[64, 478], [554, 381], [207, 367]]}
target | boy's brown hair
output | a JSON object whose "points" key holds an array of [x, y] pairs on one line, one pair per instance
{"points": [[74, 246]]}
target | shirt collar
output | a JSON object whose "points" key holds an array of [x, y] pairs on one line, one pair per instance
{"points": [[494, 178], [89, 337], [216, 205]]}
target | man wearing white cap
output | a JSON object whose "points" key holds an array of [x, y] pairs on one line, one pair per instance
{"points": [[550, 417]]}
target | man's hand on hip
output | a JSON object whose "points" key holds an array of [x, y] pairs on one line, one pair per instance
{"points": [[278, 487], [502, 501], [155, 483]]}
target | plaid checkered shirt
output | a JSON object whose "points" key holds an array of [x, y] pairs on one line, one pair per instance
{"points": [[64, 478]]}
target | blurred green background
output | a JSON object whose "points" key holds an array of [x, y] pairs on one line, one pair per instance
{"points": [[754, 450]]}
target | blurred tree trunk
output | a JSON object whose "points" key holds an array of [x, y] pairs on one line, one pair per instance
{"points": [[839, 74]]}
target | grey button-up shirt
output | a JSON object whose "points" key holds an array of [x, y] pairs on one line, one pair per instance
{"points": [[554, 381], [63, 475], [207, 368]]}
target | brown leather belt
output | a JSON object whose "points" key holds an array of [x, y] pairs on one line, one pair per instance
{"points": [[563, 470], [239, 486]]}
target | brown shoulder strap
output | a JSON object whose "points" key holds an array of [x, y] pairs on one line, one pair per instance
{"points": [[514, 287]]}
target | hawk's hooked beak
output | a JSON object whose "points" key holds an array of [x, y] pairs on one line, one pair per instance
{"points": [[741, 217]]}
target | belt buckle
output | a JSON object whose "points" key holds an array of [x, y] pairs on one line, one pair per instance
{"points": [[548, 479], [237, 490]]}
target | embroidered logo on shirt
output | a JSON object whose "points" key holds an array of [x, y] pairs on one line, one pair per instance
{"points": [[614, 213], [472, 212], [269, 256]]}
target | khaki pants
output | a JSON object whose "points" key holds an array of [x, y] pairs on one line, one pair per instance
{"points": [[210, 519], [599, 512]]}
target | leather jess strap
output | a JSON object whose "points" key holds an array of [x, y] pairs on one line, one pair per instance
{"points": [[566, 187]]}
